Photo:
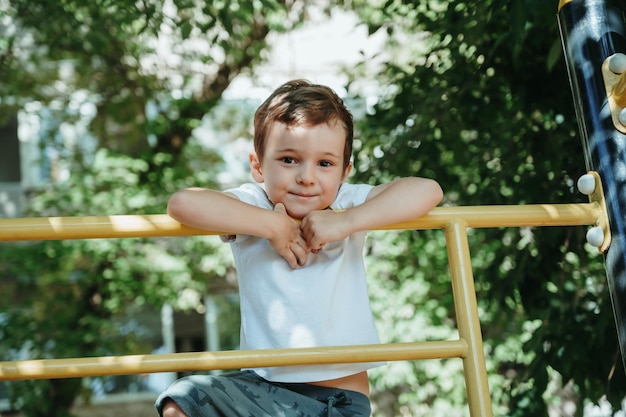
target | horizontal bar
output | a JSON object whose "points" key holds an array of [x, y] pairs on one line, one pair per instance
{"points": [[153, 225], [233, 359]]}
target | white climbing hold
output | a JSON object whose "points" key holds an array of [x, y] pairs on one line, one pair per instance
{"points": [[595, 236], [586, 184], [617, 63]]}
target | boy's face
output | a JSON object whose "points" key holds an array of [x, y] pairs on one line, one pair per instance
{"points": [[302, 166]]}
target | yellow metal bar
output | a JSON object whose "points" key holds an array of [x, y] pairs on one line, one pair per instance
{"points": [[204, 361], [53, 228], [468, 324], [562, 3]]}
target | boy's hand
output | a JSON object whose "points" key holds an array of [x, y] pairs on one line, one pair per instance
{"points": [[288, 242], [323, 226]]}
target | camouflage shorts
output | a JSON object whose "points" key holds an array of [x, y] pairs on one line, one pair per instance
{"points": [[245, 394]]}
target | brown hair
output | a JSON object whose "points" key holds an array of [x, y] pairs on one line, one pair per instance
{"points": [[299, 102]]}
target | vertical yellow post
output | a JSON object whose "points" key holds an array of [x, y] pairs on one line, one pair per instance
{"points": [[478, 396]]}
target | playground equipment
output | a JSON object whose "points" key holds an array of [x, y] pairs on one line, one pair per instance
{"points": [[589, 35], [594, 42]]}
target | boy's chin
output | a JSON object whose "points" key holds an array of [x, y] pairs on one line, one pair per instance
{"points": [[298, 213]]}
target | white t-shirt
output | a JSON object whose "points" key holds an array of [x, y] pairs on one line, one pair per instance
{"points": [[324, 303]]}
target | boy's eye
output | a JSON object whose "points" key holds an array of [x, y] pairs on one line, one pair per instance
{"points": [[288, 160], [326, 164]]}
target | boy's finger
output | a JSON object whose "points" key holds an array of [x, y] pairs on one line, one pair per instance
{"points": [[291, 259], [280, 207], [317, 250], [300, 253]]}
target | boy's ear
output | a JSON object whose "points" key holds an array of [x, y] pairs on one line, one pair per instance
{"points": [[255, 167], [346, 172]]}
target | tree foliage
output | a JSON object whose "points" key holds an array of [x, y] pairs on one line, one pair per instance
{"points": [[152, 69], [69, 297]]}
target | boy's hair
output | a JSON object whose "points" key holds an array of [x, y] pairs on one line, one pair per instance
{"points": [[301, 103]]}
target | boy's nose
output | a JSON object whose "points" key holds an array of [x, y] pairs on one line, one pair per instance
{"points": [[305, 175]]}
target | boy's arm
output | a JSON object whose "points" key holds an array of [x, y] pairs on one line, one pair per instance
{"points": [[396, 201], [214, 210]]}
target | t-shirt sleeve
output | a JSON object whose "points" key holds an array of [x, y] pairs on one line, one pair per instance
{"points": [[351, 195], [252, 194]]}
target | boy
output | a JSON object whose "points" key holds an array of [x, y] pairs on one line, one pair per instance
{"points": [[298, 249]]}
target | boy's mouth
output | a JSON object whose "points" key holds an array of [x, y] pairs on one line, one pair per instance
{"points": [[302, 195]]}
